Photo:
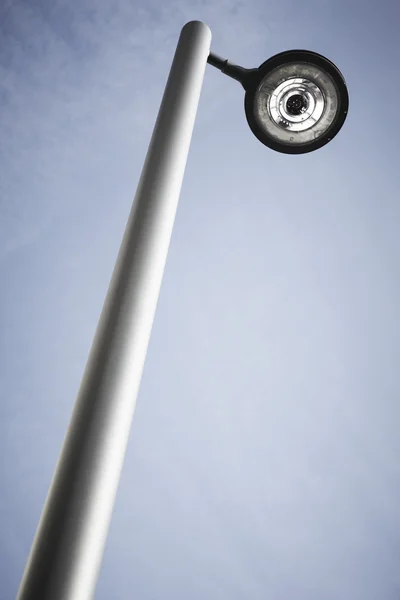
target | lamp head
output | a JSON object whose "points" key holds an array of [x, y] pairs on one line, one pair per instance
{"points": [[296, 101]]}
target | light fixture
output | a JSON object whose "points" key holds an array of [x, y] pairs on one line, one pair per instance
{"points": [[295, 102]]}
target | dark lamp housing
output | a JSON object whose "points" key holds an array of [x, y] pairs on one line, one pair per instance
{"points": [[295, 102]]}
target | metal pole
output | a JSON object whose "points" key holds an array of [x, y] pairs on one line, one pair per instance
{"points": [[66, 554]]}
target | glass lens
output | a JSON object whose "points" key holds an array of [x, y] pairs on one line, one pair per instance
{"points": [[296, 103]]}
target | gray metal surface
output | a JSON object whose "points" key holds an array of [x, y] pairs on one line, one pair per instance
{"points": [[68, 547]]}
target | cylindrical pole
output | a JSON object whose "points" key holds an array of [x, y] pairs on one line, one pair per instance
{"points": [[67, 550]]}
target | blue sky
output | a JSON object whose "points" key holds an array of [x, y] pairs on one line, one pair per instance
{"points": [[263, 459]]}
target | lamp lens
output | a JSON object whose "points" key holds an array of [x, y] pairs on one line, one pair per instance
{"points": [[296, 103]]}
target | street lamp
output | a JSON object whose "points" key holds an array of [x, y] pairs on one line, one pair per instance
{"points": [[295, 102]]}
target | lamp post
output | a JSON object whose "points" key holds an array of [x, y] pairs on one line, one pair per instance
{"points": [[285, 97]]}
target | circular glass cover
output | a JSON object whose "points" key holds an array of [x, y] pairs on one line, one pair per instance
{"points": [[296, 103]]}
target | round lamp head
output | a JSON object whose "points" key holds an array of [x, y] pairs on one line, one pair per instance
{"points": [[296, 101]]}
